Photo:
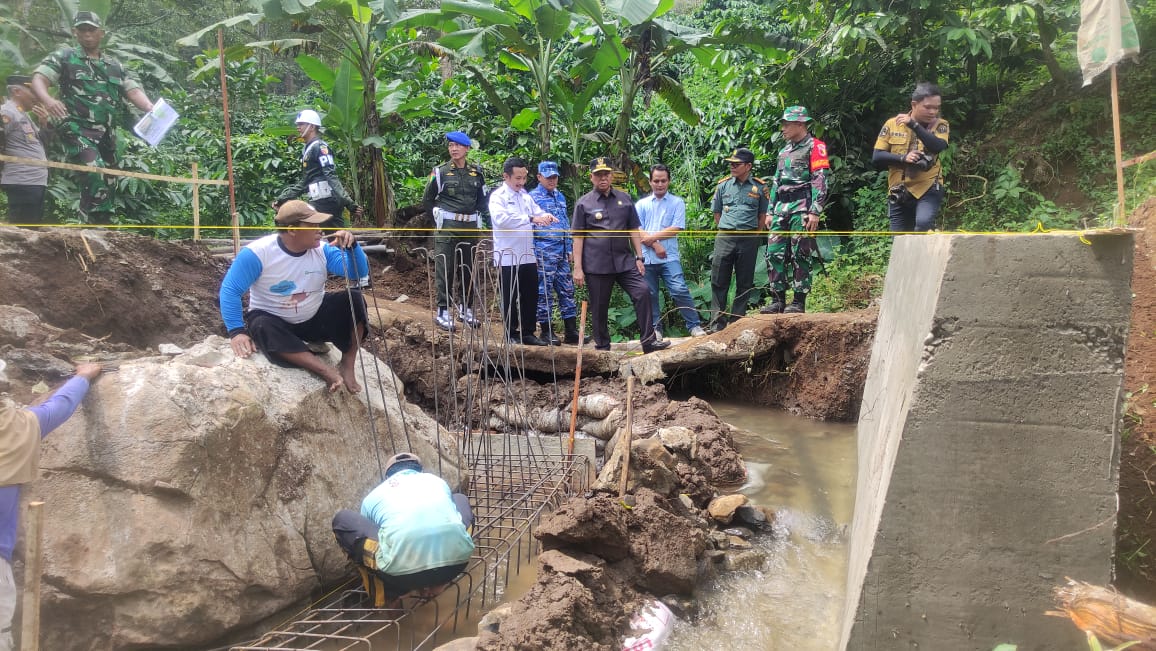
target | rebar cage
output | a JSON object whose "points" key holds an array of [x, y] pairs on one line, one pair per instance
{"points": [[514, 481]]}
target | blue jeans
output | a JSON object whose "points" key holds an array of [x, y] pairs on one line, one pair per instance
{"points": [[916, 214], [671, 274]]}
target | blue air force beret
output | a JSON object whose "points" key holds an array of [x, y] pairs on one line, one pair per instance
{"points": [[459, 137]]}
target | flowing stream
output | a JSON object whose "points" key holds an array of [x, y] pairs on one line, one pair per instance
{"points": [[805, 471]]}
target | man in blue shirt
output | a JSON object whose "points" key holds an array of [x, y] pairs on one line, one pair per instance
{"points": [[554, 250], [20, 434], [412, 535], [663, 215]]}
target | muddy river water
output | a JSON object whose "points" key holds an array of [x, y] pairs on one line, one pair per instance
{"points": [[805, 471]]}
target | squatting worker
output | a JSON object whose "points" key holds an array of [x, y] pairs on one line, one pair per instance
{"points": [[555, 250], [740, 208], [514, 215], [319, 176], [23, 136], [92, 85], [20, 432], [799, 194], [285, 274], [455, 196], [413, 533], [909, 145], [608, 250]]}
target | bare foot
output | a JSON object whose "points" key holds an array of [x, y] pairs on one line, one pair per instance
{"points": [[349, 379], [430, 593], [335, 380]]}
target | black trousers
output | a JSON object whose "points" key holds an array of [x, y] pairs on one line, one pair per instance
{"points": [[735, 252], [634, 284], [25, 203], [519, 289], [333, 321], [351, 529]]}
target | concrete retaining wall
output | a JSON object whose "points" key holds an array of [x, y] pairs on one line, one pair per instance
{"points": [[988, 443]]}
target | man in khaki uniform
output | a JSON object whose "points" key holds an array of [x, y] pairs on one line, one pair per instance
{"points": [[908, 146]]}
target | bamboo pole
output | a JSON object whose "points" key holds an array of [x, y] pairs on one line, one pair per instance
{"points": [[1121, 216], [627, 435], [196, 206], [577, 379], [107, 171], [228, 143], [33, 569]]}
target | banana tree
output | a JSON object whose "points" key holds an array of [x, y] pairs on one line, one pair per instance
{"points": [[531, 36], [356, 33]]}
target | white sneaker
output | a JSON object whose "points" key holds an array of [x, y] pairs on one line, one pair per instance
{"points": [[444, 320], [466, 316], [697, 331], [658, 336]]}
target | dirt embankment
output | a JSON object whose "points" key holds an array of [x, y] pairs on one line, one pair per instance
{"points": [[1136, 528]]}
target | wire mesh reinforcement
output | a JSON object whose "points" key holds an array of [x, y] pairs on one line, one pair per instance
{"points": [[511, 488]]}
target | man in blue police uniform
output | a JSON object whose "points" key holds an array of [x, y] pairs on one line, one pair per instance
{"points": [[555, 250]]}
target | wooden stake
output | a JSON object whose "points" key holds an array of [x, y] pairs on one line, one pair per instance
{"points": [[196, 206], [627, 435], [1121, 217], [228, 143], [577, 379], [33, 569]]}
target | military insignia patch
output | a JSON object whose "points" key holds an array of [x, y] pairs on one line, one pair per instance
{"points": [[5, 119]]}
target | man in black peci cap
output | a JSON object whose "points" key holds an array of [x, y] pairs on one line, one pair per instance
{"points": [[23, 137], [608, 250], [740, 206]]}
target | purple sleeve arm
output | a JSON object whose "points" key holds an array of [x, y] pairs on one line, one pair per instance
{"points": [[60, 406]]}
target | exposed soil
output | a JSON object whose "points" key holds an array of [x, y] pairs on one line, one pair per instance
{"points": [[1136, 529]]}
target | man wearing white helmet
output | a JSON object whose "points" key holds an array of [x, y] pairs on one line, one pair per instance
{"points": [[319, 178], [412, 535]]}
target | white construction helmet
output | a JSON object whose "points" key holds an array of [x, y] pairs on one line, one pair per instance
{"points": [[309, 116]]}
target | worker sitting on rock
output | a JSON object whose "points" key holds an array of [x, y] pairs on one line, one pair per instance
{"points": [[412, 535], [285, 274]]}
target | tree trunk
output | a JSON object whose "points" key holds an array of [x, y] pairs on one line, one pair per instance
{"points": [[384, 202], [1047, 37]]}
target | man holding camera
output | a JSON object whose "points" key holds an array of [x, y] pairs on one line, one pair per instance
{"points": [[909, 146], [798, 195]]}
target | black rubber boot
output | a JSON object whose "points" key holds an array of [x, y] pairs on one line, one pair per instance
{"points": [[571, 335], [548, 334], [777, 304], [797, 306]]}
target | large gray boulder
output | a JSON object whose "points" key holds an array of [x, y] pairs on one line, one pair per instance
{"points": [[191, 496]]}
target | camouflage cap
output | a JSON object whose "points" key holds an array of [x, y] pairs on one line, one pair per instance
{"points": [[796, 114], [87, 18]]}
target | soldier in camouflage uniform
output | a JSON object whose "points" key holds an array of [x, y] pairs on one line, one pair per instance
{"points": [[798, 194], [91, 85]]}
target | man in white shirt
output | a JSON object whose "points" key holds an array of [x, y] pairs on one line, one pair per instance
{"points": [[663, 215], [513, 214]]}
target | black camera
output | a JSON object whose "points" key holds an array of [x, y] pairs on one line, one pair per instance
{"points": [[924, 162], [899, 193]]}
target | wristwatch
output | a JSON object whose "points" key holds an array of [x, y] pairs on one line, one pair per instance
{"points": [[639, 258]]}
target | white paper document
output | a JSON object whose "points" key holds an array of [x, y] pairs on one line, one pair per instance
{"points": [[156, 123]]}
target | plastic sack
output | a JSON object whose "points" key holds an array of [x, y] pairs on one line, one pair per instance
{"points": [[652, 627]]}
